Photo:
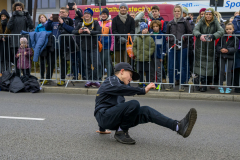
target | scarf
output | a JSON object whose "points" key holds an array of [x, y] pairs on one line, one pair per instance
{"points": [[87, 24], [4, 22], [20, 13], [177, 19], [122, 17], [208, 24]]}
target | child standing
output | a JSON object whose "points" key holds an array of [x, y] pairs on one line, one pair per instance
{"points": [[24, 55], [226, 47], [143, 49], [158, 56]]}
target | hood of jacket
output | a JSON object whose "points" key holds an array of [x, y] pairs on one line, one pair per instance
{"points": [[237, 18], [5, 13]]}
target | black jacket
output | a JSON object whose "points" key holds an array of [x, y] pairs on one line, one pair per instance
{"points": [[112, 92], [118, 27], [86, 43], [78, 18], [17, 23], [230, 45]]}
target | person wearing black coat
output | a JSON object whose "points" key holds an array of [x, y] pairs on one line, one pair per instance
{"points": [[19, 21], [4, 41], [123, 23], [89, 29]]}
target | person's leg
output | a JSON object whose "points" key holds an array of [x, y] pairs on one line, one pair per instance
{"points": [[63, 66], [42, 66], [171, 66], [51, 64], [116, 57], [237, 79], [87, 63], [107, 62], [184, 72], [159, 70], [222, 70], [153, 70], [229, 73], [96, 62]]}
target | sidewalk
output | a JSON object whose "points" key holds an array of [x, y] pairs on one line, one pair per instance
{"points": [[213, 95]]}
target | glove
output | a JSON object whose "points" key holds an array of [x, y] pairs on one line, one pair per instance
{"points": [[26, 13], [123, 40]]}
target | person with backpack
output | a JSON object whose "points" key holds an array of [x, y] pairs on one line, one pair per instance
{"points": [[106, 41], [20, 20], [155, 15], [206, 32], [178, 27], [90, 55]]}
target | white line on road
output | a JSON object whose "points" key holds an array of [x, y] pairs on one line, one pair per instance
{"points": [[23, 118]]}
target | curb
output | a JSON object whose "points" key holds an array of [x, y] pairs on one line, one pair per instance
{"points": [[151, 94]]}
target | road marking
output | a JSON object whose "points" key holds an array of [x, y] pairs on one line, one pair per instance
{"points": [[23, 118]]}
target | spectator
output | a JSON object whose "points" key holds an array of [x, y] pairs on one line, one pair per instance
{"points": [[132, 14], [155, 15], [90, 55], [19, 21], [107, 42], [204, 52], [236, 23], [201, 14], [236, 13], [64, 26], [220, 20], [138, 19], [24, 55], [178, 27], [78, 15], [185, 16], [4, 52], [159, 54], [122, 24], [191, 16], [143, 47], [226, 48], [48, 53], [231, 19]]}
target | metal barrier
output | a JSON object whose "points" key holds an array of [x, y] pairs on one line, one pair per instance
{"points": [[207, 66], [87, 60]]}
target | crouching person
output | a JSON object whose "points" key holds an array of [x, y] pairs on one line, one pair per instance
{"points": [[90, 55], [112, 112]]}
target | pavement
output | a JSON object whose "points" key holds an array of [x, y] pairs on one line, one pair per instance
{"points": [[67, 130]]}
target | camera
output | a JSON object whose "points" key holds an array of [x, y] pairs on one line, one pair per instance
{"points": [[208, 38]]}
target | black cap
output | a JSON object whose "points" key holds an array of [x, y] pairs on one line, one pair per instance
{"points": [[127, 66]]}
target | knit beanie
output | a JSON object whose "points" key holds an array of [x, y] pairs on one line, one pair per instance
{"points": [[210, 10], [185, 10], [123, 4], [202, 10], [89, 11], [143, 25], [105, 10]]}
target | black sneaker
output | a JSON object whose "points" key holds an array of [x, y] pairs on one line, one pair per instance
{"points": [[187, 123], [123, 137]]}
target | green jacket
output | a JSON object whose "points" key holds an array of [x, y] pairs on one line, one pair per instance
{"points": [[145, 43], [204, 51]]}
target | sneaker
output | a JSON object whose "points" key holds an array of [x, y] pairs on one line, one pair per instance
{"points": [[44, 82], [187, 123], [61, 83], [228, 91], [88, 84], [169, 88], [221, 90], [182, 89], [96, 84], [123, 137], [158, 87]]}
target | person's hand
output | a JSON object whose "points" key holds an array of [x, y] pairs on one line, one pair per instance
{"points": [[86, 30], [51, 17], [224, 50], [202, 38], [26, 13], [18, 55], [60, 20], [25, 53], [160, 60], [150, 86], [67, 6], [3, 39], [146, 9], [80, 31]]}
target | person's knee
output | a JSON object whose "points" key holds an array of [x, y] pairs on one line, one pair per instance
{"points": [[134, 104]]}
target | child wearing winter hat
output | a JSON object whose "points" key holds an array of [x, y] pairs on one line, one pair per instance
{"points": [[143, 49], [24, 55]]}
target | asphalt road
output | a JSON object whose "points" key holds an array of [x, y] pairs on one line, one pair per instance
{"points": [[67, 130]]}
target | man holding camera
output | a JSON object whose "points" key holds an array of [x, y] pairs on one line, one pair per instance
{"points": [[62, 25]]}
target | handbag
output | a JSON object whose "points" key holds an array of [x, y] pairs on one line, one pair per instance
{"points": [[130, 47]]}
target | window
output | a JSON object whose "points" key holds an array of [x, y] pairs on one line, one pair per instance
{"points": [[44, 4]]}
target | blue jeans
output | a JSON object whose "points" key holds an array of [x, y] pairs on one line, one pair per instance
{"points": [[184, 74], [130, 114]]}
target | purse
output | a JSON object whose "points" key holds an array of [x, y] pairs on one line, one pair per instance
{"points": [[130, 47]]}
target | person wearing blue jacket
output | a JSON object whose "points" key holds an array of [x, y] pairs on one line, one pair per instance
{"points": [[64, 26], [159, 54], [236, 23], [47, 54]]}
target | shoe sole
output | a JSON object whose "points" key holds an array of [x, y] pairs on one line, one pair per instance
{"points": [[123, 141], [192, 120]]}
